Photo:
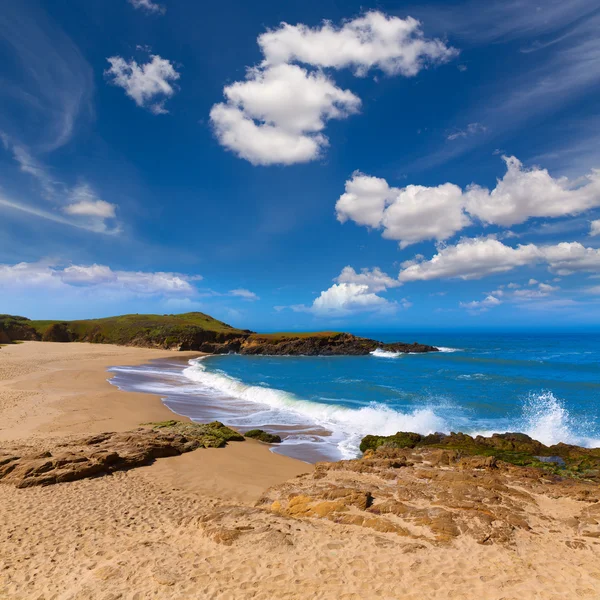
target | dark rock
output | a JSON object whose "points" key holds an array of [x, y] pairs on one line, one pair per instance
{"points": [[263, 436]]}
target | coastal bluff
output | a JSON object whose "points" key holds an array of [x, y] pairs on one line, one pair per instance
{"points": [[195, 332]]}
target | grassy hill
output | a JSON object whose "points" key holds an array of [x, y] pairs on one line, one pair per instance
{"points": [[192, 331], [185, 330]]}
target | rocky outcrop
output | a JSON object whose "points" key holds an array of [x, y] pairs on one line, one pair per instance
{"points": [[513, 448], [263, 436], [322, 344], [434, 496], [105, 453]]}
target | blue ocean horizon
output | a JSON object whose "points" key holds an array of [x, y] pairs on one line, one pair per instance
{"points": [[546, 385]]}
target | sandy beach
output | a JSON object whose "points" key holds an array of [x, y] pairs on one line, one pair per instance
{"points": [[195, 526]]}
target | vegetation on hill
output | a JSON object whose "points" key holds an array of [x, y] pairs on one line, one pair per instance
{"points": [[192, 331]]}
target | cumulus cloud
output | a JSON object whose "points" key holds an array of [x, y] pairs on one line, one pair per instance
{"points": [[595, 227], [149, 84], [244, 293], [470, 259], [525, 193], [409, 214], [347, 298], [567, 258], [393, 45], [375, 279], [148, 6], [416, 213], [479, 257], [95, 278], [355, 292], [278, 114]]}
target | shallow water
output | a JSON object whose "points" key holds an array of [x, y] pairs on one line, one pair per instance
{"points": [[545, 385]]}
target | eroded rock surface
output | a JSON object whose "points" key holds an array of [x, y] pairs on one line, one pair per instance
{"points": [[437, 495], [102, 454]]}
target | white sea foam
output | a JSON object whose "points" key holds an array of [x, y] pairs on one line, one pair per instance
{"points": [[347, 425], [443, 349], [546, 419], [381, 353]]}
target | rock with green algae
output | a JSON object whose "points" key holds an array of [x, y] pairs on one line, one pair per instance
{"points": [[263, 436], [514, 448], [210, 435]]}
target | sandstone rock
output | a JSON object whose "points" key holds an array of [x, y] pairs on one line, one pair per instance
{"points": [[108, 452]]}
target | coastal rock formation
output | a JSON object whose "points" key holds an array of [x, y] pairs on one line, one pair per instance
{"points": [[434, 496], [514, 448], [322, 344], [197, 332], [108, 452]]}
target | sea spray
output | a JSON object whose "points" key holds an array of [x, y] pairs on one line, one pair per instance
{"points": [[546, 419]]}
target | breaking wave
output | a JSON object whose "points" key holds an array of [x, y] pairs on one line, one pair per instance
{"points": [[348, 425], [380, 353]]}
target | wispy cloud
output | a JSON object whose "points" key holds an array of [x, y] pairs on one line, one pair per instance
{"points": [[78, 206], [52, 85]]}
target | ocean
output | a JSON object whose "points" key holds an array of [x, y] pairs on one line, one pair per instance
{"points": [[545, 385]]}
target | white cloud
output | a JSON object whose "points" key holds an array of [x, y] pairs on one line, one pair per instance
{"points": [[515, 294], [245, 294], [479, 257], [347, 298], [278, 114], [525, 193], [595, 227], [375, 279], [481, 305], [148, 84], [567, 258], [96, 279], [409, 214], [470, 259], [148, 6], [84, 202], [391, 44], [49, 90], [470, 129], [415, 213], [89, 212]]}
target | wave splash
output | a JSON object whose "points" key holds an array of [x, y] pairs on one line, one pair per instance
{"points": [[381, 353], [546, 419]]}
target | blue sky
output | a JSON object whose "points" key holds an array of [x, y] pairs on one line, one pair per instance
{"points": [[302, 165]]}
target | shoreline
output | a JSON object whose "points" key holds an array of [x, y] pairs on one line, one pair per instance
{"points": [[240, 521], [54, 390]]}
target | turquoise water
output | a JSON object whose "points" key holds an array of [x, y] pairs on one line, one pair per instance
{"points": [[545, 385]]}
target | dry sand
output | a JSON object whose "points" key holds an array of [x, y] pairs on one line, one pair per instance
{"points": [[157, 532]]}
